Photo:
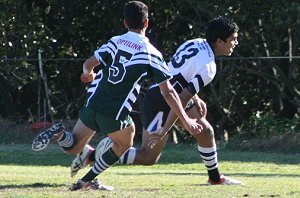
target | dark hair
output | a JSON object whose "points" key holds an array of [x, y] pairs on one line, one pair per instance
{"points": [[135, 13], [221, 28]]}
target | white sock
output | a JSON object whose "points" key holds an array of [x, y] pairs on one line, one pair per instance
{"points": [[209, 156], [66, 141], [129, 156]]}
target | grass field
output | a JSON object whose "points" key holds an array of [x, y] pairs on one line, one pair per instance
{"points": [[24, 173]]}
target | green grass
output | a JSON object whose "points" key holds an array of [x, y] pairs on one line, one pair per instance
{"points": [[24, 173]]}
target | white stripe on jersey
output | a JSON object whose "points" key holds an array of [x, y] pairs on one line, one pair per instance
{"points": [[155, 61], [94, 86], [126, 104], [101, 61]]}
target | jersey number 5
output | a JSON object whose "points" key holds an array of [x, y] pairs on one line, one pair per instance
{"points": [[117, 70]]}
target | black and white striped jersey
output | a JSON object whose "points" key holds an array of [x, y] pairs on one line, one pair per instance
{"points": [[192, 66]]}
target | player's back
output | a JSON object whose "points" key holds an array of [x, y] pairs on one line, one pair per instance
{"points": [[127, 59]]}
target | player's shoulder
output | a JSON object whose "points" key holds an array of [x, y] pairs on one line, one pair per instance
{"points": [[114, 39], [153, 50], [150, 49], [203, 46], [140, 40], [196, 41]]}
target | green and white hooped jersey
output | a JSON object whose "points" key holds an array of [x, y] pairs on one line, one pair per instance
{"points": [[126, 61]]}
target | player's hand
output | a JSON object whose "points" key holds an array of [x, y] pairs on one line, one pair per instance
{"points": [[193, 127], [156, 136], [87, 77]]}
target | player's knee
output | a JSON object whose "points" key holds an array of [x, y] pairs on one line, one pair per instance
{"points": [[209, 131], [127, 145]]}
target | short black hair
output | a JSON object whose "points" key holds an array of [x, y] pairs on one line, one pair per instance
{"points": [[220, 27], [135, 13]]}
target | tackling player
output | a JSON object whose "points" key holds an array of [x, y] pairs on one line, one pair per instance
{"points": [[193, 67], [125, 61]]}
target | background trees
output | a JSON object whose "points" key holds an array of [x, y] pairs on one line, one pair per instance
{"points": [[248, 86]]}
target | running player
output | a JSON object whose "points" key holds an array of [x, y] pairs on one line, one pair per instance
{"points": [[125, 61], [193, 67]]}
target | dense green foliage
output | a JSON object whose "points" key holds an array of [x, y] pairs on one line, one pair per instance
{"points": [[68, 32]]}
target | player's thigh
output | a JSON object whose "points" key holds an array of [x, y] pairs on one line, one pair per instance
{"points": [[124, 136]]}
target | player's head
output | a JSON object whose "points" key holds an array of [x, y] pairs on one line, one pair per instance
{"points": [[222, 34], [135, 15], [220, 28]]}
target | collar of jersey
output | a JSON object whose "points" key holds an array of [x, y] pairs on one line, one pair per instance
{"points": [[134, 34]]}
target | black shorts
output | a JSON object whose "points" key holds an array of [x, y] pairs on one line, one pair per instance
{"points": [[156, 109]]}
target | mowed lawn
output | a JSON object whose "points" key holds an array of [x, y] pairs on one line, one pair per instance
{"points": [[180, 173]]}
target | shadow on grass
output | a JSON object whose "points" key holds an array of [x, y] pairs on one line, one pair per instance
{"points": [[34, 185]]}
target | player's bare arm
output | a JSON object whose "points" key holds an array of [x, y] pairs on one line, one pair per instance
{"points": [[155, 137], [88, 74], [174, 102]]}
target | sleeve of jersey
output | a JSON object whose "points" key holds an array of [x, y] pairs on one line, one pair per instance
{"points": [[159, 70], [103, 54], [205, 76], [195, 85]]}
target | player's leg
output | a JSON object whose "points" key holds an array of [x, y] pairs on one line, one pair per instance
{"points": [[109, 150], [155, 114], [106, 154], [74, 142], [88, 155], [144, 155], [71, 142], [104, 158], [208, 150], [206, 143]]}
